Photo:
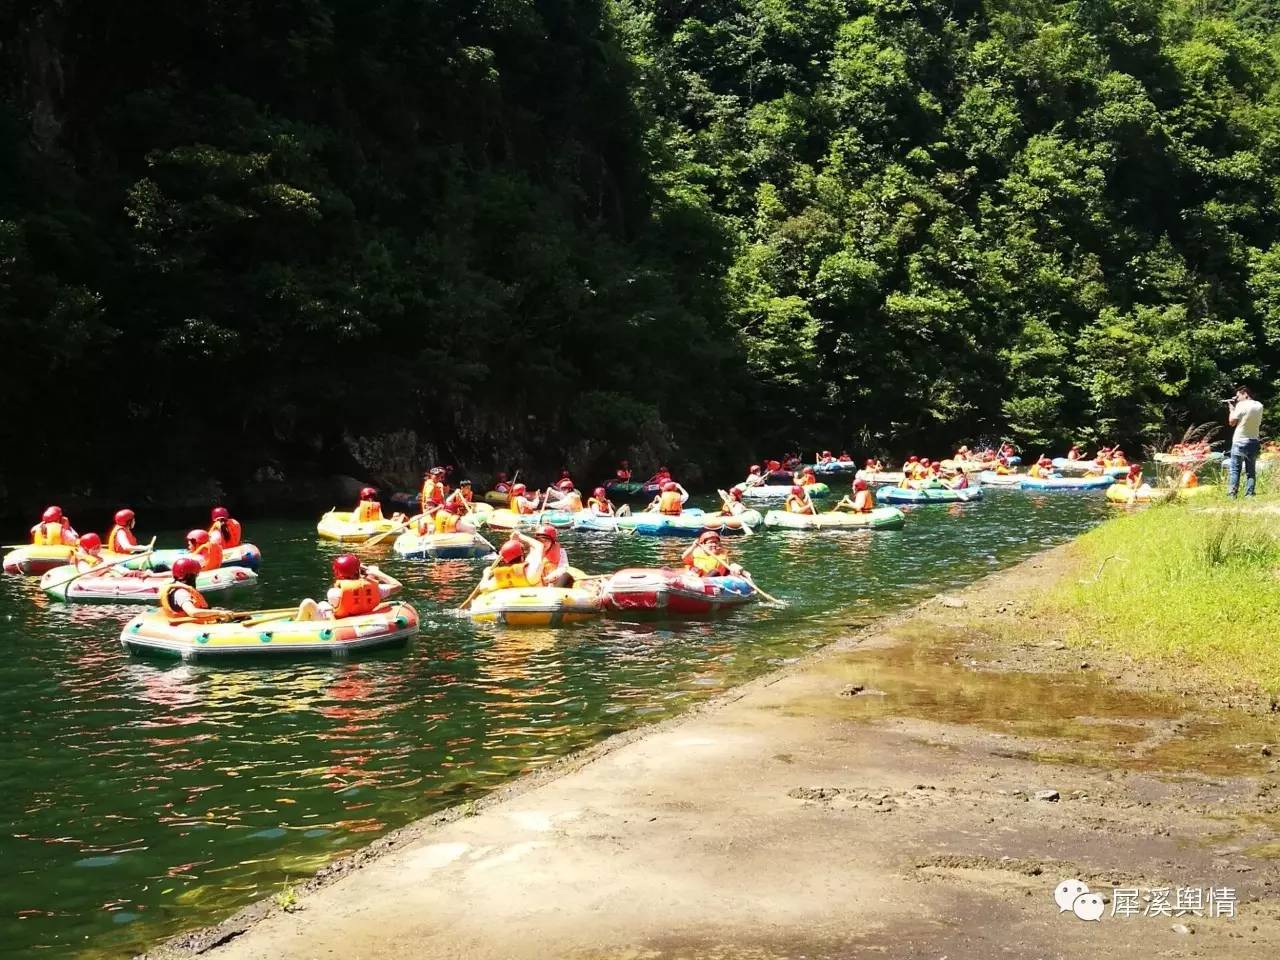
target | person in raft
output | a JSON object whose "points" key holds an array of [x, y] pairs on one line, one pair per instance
{"points": [[179, 598], [662, 476], [53, 530], [451, 518], [806, 477], [1133, 479], [521, 503], [670, 502], [706, 557], [567, 498], [844, 457], [963, 454], [826, 457], [511, 569], [463, 496], [623, 473], [500, 484], [755, 478], [368, 509], [1245, 414], [1075, 453], [732, 505], [206, 551], [798, 502], [1042, 469], [122, 539], [356, 591], [955, 479], [434, 490], [230, 533], [862, 502], [88, 553], [599, 505]]}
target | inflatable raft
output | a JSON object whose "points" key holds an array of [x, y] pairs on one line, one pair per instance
{"points": [[1063, 465], [245, 555], [688, 524], [389, 624], [506, 520], [673, 593], [536, 606], [1067, 483], [624, 489], [112, 587], [770, 491], [1125, 495], [1184, 460], [928, 495], [989, 478], [341, 525], [881, 478], [836, 468], [32, 561], [441, 546], [881, 518]]}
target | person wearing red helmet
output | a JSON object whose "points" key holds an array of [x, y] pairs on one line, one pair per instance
{"points": [[1042, 468], [548, 558], [670, 501], [567, 498], [357, 590], [706, 557], [53, 530], [825, 457], [88, 553], [511, 569], [844, 457], [521, 502], [798, 501], [623, 473], [501, 484], [755, 477], [862, 502], [658, 479], [731, 504], [206, 550], [368, 510], [179, 598], [122, 539], [600, 505], [435, 490], [1133, 478], [806, 478], [452, 518], [228, 529]]}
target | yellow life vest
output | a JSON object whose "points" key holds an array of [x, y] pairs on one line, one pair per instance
{"points": [[512, 576], [368, 511]]}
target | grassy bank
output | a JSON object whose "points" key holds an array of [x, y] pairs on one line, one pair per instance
{"points": [[1188, 584]]}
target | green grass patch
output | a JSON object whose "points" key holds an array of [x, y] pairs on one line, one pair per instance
{"points": [[1189, 584]]}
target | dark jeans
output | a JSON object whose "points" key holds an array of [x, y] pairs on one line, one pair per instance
{"points": [[1244, 453]]}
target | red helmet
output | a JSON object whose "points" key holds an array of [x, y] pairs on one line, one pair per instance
{"points": [[368, 493], [198, 537], [185, 568], [457, 506], [870, 462], [219, 513], [826, 453], [548, 532], [859, 484], [52, 515], [511, 551], [669, 487], [736, 493], [797, 491], [1044, 461], [913, 459], [346, 566], [599, 493], [808, 471], [518, 489], [1135, 468], [124, 517], [774, 465], [90, 542], [566, 484], [925, 461], [755, 468], [708, 535]]}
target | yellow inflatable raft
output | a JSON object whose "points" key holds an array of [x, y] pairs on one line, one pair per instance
{"points": [[32, 561], [341, 525], [153, 632], [536, 606]]}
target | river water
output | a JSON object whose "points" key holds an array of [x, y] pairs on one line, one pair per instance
{"points": [[145, 797]]}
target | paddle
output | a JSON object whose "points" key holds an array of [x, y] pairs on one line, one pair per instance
{"points": [[772, 599], [472, 595], [268, 618], [379, 537], [107, 566]]}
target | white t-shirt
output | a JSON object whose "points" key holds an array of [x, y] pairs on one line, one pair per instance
{"points": [[1248, 420]]}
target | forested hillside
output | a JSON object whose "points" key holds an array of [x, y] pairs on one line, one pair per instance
{"points": [[240, 236]]}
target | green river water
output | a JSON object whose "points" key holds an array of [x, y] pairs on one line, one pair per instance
{"points": [[145, 797]]}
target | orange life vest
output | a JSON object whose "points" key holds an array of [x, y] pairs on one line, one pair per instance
{"points": [[551, 562], [446, 522], [210, 555], [229, 530], [356, 597], [705, 563], [669, 503], [121, 540], [46, 535], [171, 610], [368, 511], [862, 502], [1189, 479]]}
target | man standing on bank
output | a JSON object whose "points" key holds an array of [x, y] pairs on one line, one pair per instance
{"points": [[1245, 414]]}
